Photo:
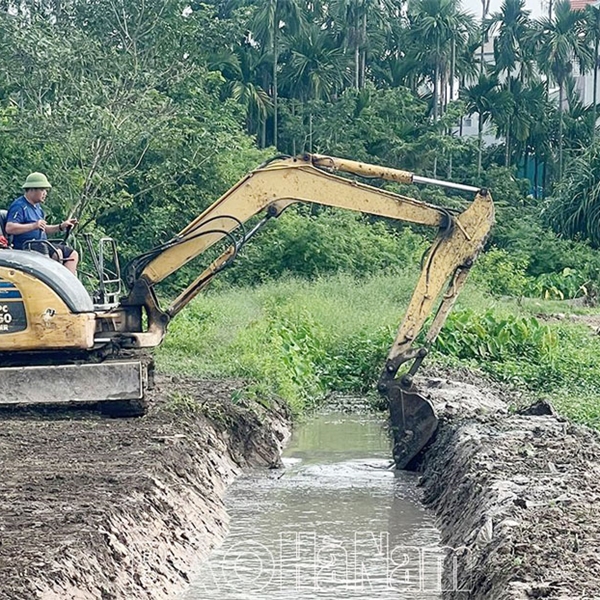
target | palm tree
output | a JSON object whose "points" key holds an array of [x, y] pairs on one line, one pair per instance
{"points": [[315, 68], [529, 103], [592, 22], [250, 94], [347, 22], [578, 122], [351, 20], [485, 9], [562, 41], [467, 69], [270, 19], [488, 100], [513, 50], [241, 66], [398, 64], [440, 28]]}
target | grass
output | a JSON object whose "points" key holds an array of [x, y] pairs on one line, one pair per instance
{"points": [[299, 340]]}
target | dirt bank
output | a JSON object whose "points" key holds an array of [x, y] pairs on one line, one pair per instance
{"points": [[112, 509], [92, 507], [519, 493]]}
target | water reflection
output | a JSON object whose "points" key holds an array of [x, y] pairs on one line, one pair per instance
{"points": [[336, 523]]}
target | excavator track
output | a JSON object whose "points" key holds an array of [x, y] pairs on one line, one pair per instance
{"points": [[115, 386]]}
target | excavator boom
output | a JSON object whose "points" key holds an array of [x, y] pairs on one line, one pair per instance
{"points": [[269, 190]]}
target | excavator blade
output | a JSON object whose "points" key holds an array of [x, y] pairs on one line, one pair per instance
{"points": [[414, 423], [118, 386]]}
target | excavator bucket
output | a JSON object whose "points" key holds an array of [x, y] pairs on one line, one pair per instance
{"points": [[413, 421]]}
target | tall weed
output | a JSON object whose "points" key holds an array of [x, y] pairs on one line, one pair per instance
{"points": [[280, 355], [300, 340]]}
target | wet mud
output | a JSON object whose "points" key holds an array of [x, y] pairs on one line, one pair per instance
{"points": [[98, 508], [517, 497]]}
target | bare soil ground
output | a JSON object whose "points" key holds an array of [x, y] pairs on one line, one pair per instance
{"points": [[591, 320], [123, 509], [92, 507], [520, 494]]}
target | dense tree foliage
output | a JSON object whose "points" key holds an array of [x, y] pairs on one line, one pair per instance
{"points": [[143, 113], [119, 107]]}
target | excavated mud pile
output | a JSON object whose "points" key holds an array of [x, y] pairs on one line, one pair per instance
{"points": [[112, 509], [518, 498]]}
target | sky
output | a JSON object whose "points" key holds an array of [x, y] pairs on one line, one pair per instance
{"points": [[535, 6]]}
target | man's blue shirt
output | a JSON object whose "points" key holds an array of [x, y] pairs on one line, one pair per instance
{"points": [[21, 211]]}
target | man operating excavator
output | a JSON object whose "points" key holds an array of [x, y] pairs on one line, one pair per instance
{"points": [[26, 222]]}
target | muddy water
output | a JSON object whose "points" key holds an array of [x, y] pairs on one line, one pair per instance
{"points": [[336, 523]]}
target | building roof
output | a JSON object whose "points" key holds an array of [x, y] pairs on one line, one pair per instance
{"points": [[581, 4]]}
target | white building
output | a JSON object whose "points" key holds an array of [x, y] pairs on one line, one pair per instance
{"points": [[470, 123], [585, 83]]}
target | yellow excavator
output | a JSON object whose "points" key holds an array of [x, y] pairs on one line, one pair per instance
{"points": [[58, 345]]}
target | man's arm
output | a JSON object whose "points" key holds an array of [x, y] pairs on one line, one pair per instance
{"points": [[13, 228]]}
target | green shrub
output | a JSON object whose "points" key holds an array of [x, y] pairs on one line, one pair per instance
{"points": [[504, 273], [310, 242], [487, 337], [501, 273], [573, 208], [565, 285]]}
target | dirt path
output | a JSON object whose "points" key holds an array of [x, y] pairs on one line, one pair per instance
{"points": [[591, 320], [119, 509]]}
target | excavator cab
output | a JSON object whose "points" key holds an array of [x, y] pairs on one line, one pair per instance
{"points": [[58, 345]]}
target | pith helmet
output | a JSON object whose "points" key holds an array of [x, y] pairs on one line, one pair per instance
{"points": [[36, 181]]}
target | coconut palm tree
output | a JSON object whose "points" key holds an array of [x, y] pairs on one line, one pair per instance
{"points": [[398, 64], [243, 87]]}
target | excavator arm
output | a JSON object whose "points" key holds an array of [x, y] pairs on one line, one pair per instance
{"points": [[58, 346], [273, 187], [269, 190]]}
